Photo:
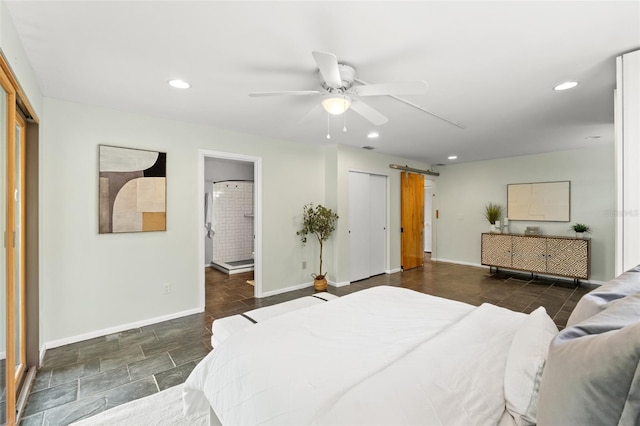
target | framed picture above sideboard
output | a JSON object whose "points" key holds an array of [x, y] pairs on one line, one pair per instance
{"points": [[540, 201]]}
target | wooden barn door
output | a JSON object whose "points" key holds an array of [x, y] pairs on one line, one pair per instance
{"points": [[412, 219]]}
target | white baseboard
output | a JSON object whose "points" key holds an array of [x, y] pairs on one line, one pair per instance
{"points": [[106, 331], [393, 271], [458, 262], [284, 290], [300, 286], [3, 355]]}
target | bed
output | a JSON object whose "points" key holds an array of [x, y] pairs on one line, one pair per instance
{"points": [[393, 356]]}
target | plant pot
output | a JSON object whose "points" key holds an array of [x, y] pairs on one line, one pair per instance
{"points": [[579, 234], [492, 227], [320, 283]]}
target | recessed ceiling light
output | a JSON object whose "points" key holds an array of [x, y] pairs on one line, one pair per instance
{"points": [[452, 157], [593, 137], [566, 85], [179, 84], [373, 135]]}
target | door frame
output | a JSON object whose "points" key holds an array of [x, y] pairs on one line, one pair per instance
{"points": [[387, 213], [434, 218], [429, 183], [257, 220]]}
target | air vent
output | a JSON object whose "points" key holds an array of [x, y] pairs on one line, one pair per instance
{"points": [[440, 164], [370, 148]]}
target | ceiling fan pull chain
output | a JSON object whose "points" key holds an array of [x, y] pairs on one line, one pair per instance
{"points": [[344, 115], [328, 135]]}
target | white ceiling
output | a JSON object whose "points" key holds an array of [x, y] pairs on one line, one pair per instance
{"points": [[490, 66]]}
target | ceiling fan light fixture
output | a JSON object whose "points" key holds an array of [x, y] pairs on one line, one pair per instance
{"points": [[335, 105]]}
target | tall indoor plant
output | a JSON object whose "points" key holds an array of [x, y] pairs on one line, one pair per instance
{"points": [[320, 222]]}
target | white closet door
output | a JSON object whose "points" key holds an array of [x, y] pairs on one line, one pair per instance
{"points": [[428, 195], [358, 226], [377, 224]]}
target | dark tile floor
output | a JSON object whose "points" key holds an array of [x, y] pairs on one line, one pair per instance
{"points": [[85, 378]]}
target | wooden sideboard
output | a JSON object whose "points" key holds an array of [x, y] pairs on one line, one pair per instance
{"points": [[552, 255]]}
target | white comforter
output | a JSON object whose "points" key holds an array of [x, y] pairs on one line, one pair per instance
{"points": [[384, 355]]}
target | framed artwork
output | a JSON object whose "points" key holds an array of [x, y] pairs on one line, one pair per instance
{"points": [[132, 190], [542, 201]]}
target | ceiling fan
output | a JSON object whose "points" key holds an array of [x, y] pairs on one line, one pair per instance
{"points": [[340, 94]]}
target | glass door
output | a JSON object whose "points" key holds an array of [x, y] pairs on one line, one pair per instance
{"points": [[13, 247]]}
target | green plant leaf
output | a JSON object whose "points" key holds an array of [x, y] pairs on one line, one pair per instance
{"points": [[492, 212]]}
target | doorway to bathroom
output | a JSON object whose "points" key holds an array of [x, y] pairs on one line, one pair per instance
{"points": [[231, 226]]}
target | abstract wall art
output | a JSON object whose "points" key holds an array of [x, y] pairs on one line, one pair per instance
{"points": [[541, 201], [132, 190]]}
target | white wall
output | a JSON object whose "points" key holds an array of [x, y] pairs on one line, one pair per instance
{"points": [[357, 159], [627, 160], [93, 282], [462, 191]]}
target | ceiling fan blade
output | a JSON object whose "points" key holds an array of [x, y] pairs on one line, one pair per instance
{"points": [[285, 93], [368, 112], [328, 65], [458, 125], [407, 88]]}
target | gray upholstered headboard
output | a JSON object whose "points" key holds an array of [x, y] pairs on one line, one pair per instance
{"points": [[592, 373]]}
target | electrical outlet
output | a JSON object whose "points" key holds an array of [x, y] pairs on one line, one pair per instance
{"points": [[167, 288], [304, 264]]}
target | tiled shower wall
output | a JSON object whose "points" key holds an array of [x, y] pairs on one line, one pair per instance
{"points": [[232, 219]]}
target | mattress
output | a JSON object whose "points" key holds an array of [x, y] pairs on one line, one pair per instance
{"points": [[222, 328], [384, 355]]}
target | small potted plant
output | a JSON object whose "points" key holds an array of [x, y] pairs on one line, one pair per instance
{"points": [[320, 222], [492, 213], [580, 229]]}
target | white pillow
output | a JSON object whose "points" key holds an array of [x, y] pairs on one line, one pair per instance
{"points": [[525, 363]]}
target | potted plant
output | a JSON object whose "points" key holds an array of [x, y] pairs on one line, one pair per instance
{"points": [[492, 213], [320, 222], [580, 229]]}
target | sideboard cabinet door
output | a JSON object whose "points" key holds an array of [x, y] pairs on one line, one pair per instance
{"points": [[496, 250], [568, 257], [529, 254]]}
